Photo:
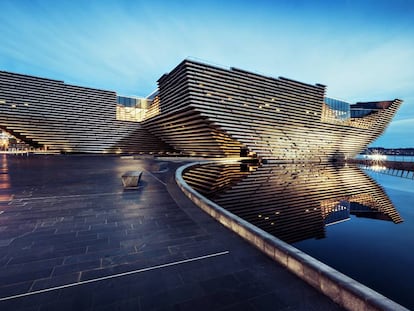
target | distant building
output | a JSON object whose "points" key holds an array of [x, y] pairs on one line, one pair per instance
{"points": [[390, 151], [198, 109]]}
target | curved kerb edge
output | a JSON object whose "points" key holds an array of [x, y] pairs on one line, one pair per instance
{"points": [[345, 291]]}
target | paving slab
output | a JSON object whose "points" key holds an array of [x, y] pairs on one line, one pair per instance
{"points": [[72, 238]]}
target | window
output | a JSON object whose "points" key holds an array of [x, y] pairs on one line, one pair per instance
{"points": [[131, 109]]}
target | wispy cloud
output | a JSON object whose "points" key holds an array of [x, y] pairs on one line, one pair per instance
{"points": [[403, 123], [362, 50]]}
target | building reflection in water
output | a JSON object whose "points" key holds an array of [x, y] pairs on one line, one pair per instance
{"points": [[293, 201], [4, 179]]}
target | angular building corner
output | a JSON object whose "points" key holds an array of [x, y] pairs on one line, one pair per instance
{"points": [[198, 110]]}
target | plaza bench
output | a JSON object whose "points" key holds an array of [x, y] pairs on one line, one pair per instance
{"points": [[131, 179]]}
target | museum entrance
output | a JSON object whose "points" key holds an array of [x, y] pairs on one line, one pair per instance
{"points": [[12, 144]]}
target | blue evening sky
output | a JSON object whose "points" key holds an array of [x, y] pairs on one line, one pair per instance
{"points": [[361, 49]]}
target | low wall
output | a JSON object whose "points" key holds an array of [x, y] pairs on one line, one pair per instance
{"points": [[345, 291]]}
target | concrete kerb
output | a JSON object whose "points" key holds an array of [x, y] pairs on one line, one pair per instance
{"points": [[342, 289]]}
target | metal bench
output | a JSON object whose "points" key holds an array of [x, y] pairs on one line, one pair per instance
{"points": [[131, 179]]}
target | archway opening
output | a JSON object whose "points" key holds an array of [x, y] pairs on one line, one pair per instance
{"points": [[10, 142]]}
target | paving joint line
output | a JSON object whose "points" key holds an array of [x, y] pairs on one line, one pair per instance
{"points": [[155, 177], [175, 263], [68, 196]]}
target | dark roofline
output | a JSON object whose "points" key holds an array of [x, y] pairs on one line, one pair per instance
{"points": [[53, 80], [234, 69], [30, 76]]}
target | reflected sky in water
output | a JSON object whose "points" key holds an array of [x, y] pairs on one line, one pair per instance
{"points": [[359, 223], [377, 253]]}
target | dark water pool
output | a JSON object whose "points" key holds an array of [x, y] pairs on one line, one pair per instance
{"points": [[377, 253], [360, 223]]}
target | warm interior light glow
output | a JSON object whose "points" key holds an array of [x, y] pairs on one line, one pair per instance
{"points": [[4, 140], [132, 109]]}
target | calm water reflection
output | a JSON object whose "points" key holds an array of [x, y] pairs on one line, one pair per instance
{"points": [[4, 179], [338, 214], [294, 201]]}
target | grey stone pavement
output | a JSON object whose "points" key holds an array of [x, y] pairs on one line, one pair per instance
{"points": [[72, 239]]}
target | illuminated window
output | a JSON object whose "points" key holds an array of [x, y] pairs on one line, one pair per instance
{"points": [[131, 109], [337, 109]]}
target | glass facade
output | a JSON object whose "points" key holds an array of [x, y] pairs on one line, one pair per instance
{"points": [[360, 110], [131, 108], [338, 212], [340, 109]]}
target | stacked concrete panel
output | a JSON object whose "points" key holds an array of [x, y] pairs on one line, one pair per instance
{"points": [[66, 118], [208, 110], [180, 125], [200, 110]]}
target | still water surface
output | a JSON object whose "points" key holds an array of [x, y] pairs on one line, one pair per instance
{"points": [[394, 158], [379, 254], [360, 223]]}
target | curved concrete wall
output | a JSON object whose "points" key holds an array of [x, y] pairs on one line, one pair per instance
{"points": [[345, 291]]}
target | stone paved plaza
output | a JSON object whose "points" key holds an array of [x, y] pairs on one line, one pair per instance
{"points": [[71, 238]]}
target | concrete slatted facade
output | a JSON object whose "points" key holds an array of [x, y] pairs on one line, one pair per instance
{"points": [[182, 126], [67, 118], [208, 110], [200, 110]]}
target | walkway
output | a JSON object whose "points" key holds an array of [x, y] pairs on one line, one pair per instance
{"points": [[72, 239]]}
